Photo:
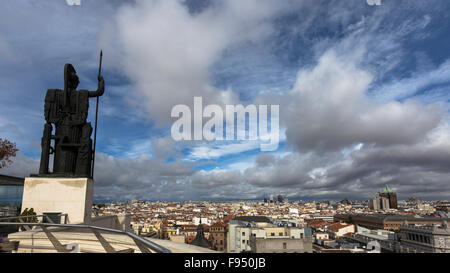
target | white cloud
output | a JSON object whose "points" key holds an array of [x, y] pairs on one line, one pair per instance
{"points": [[167, 52], [329, 109], [22, 166], [73, 2]]}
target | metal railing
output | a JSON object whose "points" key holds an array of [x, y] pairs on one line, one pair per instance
{"points": [[45, 219], [144, 245]]}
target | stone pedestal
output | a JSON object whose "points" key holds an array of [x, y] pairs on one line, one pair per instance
{"points": [[65, 195]]}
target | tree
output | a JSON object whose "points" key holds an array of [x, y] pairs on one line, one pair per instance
{"points": [[8, 150]]}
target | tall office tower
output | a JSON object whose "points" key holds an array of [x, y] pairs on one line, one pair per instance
{"points": [[384, 203], [390, 195], [379, 203], [374, 204]]}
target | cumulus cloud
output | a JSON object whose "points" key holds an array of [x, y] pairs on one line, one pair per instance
{"points": [[359, 173], [356, 173], [329, 109], [264, 160], [142, 177], [167, 51], [363, 171], [22, 166], [161, 53]]}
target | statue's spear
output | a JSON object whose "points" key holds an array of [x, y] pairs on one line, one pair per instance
{"points": [[96, 116]]}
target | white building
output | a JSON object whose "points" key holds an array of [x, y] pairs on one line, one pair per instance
{"points": [[196, 220], [241, 233]]}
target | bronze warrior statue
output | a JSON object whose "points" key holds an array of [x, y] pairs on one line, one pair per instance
{"points": [[67, 111]]}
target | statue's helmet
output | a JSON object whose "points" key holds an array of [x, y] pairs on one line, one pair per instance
{"points": [[71, 80]]}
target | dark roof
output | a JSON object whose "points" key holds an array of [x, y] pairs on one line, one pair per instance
{"points": [[200, 241], [262, 219], [412, 218], [11, 180], [389, 217]]}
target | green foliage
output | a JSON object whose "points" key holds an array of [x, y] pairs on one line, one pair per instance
{"points": [[31, 219], [8, 150]]}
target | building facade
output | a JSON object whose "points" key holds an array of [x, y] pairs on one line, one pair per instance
{"points": [[424, 239], [239, 230], [281, 240], [385, 221], [218, 236], [338, 230], [259, 235], [391, 196], [280, 245]]}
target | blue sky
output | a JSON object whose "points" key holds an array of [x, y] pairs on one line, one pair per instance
{"points": [[363, 93]]}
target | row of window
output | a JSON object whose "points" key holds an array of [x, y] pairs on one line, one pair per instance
{"points": [[418, 238], [279, 234]]}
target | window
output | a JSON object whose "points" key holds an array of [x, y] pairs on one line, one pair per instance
{"points": [[280, 234], [284, 245], [272, 234], [243, 233], [243, 241]]}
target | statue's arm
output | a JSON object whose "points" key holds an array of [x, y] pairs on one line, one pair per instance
{"points": [[100, 89]]}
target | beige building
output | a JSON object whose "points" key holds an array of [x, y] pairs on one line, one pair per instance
{"points": [[321, 236], [337, 230]]}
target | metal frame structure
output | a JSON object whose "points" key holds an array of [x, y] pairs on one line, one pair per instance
{"points": [[144, 245]]}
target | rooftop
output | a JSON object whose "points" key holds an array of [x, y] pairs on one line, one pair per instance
{"points": [[11, 180], [387, 189], [261, 219]]}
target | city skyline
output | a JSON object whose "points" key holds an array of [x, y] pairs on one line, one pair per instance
{"points": [[362, 92]]}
